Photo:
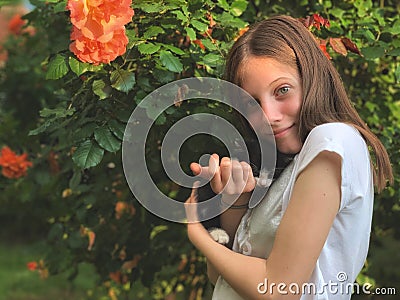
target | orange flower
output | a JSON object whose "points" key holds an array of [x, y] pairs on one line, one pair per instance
{"points": [[32, 265], [97, 19], [14, 166], [122, 208], [15, 24], [98, 32], [90, 234], [94, 52]]}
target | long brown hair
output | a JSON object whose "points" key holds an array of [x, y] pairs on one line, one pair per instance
{"points": [[324, 97]]}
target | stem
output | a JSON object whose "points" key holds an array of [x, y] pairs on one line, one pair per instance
{"points": [[255, 7]]}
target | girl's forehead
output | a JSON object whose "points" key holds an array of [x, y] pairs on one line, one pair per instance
{"points": [[256, 66]]}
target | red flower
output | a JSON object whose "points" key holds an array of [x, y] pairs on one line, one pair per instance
{"points": [[14, 166], [32, 265], [15, 24], [122, 208], [98, 32]]}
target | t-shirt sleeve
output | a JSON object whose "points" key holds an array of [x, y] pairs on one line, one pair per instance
{"points": [[347, 142]]}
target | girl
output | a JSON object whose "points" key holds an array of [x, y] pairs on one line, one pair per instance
{"points": [[308, 238]]}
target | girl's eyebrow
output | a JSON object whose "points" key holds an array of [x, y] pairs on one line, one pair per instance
{"points": [[280, 78]]}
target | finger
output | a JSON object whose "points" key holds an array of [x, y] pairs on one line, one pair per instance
{"points": [[248, 176], [237, 172], [191, 204], [215, 182], [226, 170], [246, 171], [213, 164], [203, 172], [194, 192], [195, 168]]}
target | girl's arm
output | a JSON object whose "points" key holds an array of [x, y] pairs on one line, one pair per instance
{"points": [[235, 181], [300, 237]]}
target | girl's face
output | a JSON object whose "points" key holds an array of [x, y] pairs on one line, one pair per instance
{"points": [[277, 88]]}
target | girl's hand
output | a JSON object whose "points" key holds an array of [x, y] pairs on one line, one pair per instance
{"points": [[196, 231], [191, 205], [229, 177]]}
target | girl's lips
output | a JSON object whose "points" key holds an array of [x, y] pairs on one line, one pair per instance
{"points": [[282, 132]]}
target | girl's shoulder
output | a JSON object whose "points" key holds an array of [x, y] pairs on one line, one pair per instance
{"points": [[339, 133], [341, 138]]}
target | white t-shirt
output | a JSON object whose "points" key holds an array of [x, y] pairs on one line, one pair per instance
{"points": [[345, 250]]}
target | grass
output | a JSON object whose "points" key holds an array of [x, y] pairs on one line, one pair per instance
{"points": [[18, 283]]}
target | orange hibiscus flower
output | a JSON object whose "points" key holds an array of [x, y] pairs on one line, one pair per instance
{"points": [[14, 166]]}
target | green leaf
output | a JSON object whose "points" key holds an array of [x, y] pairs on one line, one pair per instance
{"points": [[78, 67], [337, 12], [59, 112], [42, 128], [56, 232], [153, 31], [100, 89], [227, 20], [369, 35], [60, 7], [223, 4], [75, 180], [191, 33], [106, 139], [212, 59], [395, 29], [209, 44], [148, 48], [180, 16], [6, 2], [397, 74], [123, 115], [174, 49], [394, 52], [57, 68], [371, 53], [202, 27], [170, 61], [117, 128], [238, 7], [122, 80], [84, 132], [150, 7], [161, 119], [76, 240], [88, 154]]}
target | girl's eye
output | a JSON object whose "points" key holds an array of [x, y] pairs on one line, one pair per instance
{"points": [[283, 90]]}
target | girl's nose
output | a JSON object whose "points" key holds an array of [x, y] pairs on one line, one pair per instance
{"points": [[272, 111]]}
